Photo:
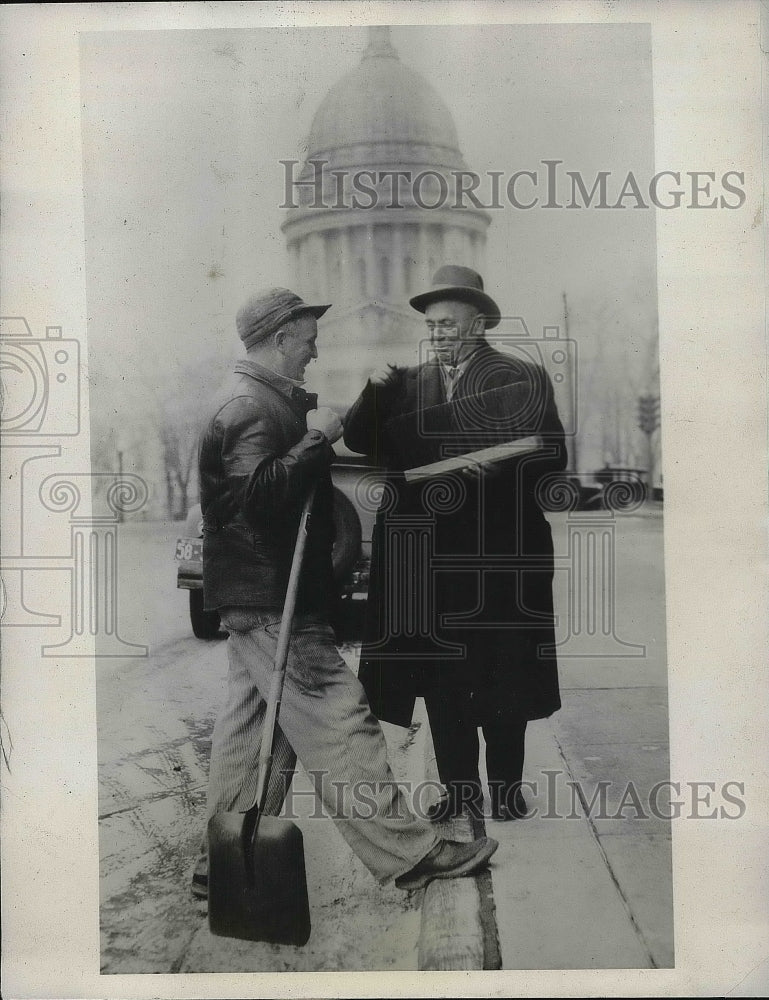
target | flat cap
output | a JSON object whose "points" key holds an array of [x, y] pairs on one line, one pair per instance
{"points": [[267, 311]]}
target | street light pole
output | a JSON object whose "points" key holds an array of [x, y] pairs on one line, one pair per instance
{"points": [[648, 422], [571, 388]]}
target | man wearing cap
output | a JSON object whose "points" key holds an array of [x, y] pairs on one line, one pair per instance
{"points": [[467, 623], [265, 443]]}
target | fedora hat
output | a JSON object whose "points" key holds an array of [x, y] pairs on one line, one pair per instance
{"points": [[463, 284]]}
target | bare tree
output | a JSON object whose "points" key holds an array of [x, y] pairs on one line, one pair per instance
{"points": [[618, 356], [175, 418], [178, 440], [146, 419]]}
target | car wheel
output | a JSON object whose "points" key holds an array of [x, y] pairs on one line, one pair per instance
{"points": [[205, 624]]}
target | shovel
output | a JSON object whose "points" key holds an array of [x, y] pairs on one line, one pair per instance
{"points": [[257, 885]]}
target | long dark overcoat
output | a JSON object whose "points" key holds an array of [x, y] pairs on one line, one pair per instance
{"points": [[462, 568]]}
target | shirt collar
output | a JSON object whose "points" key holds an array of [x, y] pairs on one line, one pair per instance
{"points": [[287, 386], [462, 364]]}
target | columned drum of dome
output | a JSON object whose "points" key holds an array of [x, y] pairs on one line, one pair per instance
{"points": [[380, 118]]}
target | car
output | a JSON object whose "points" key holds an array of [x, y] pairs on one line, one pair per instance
{"points": [[351, 556]]}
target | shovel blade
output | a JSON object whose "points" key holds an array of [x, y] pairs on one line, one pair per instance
{"points": [[257, 886]]}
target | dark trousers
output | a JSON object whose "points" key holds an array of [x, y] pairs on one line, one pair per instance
{"points": [[454, 727]]}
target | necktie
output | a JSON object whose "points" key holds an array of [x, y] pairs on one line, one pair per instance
{"points": [[452, 376]]}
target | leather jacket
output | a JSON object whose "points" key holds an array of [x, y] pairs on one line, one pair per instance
{"points": [[256, 462]]}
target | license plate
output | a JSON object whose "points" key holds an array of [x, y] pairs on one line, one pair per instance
{"points": [[189, 549]]}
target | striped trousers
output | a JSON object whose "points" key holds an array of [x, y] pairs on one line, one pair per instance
{"points": [[326, 722]]}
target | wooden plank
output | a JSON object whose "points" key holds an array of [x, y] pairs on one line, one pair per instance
{"points": [[495, 453], [451, 937]]}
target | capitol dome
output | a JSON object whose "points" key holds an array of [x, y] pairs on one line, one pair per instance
{"points": [[354, 243], [383, 103]]}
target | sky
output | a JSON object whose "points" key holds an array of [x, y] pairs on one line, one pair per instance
{"points": [[183, 132]]}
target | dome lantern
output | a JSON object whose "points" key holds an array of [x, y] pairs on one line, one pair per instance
{"points": [[379, 43]]}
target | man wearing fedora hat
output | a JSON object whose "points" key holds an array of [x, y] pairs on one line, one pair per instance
{"points": [[264, 444], [479, 640]]}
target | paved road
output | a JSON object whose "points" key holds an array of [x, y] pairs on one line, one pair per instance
{"points": [[585, 892]]}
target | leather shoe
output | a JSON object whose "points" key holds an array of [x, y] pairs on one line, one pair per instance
{"points": [[449, 859], [199, 886], [506, 811], [199, 880]]}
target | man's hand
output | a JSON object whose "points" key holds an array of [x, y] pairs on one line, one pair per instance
{"points": [[326, 421], [381, 376], [481, 470]]}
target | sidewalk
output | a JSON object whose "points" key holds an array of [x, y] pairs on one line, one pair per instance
{"points": [[575, 892], [569, 890]]}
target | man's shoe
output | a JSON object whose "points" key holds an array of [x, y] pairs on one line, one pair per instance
{"points": [[449, 859], [504, 811], [199, 881], [199, 886]]}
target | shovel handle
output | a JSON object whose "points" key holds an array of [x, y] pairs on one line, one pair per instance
{"points": [[281, 657]]}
